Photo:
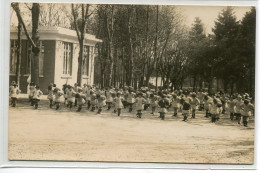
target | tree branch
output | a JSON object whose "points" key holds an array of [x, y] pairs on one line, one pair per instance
{"points": [[16, 8], [75, 21], [27, 6]]}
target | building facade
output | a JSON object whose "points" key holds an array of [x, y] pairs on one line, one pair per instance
{"points": [[58, 58]]}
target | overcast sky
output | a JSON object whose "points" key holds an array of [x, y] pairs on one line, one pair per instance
{"points": [[208, 14]]}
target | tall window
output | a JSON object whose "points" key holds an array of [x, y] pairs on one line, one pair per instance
{"points": [[29, 58], [85, 63], [13, 56], [67, 58]]}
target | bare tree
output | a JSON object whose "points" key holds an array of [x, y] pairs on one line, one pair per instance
{"points": [[109, 29], [34, 40], [155, 45], [130, 11], [18, 50], [105, 31], [80, 27], [53, 14]]}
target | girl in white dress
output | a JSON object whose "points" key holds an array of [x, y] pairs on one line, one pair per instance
{"points": [[36, 96], [57, 97], [50, 94], [139, 104], [14, 92], [118, 103], [70, 93]]}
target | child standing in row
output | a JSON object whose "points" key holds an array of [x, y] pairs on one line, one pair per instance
{"points": [[118, 103], [231, 105], [215, 110], [195, 102], [130, 100], [186, 102], [75, 88], [164, 104], [207, 104], [50, 94], [31, 90], [58, 97], [147, 100], [124, 95], [14, 92], [109, 98], [175, 101], [70, 94], [37, 93], [139, 105], [238, 103], [93, 102], [101, 102], [247, 108], [153, 104], [80, 97], [201, 95], [88, 96]]}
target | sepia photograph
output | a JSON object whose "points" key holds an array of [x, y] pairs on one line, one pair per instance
{"points": [[132, 83]]}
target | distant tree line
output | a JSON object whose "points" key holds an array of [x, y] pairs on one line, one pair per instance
{"points": [[144, 41], [228, 54]]}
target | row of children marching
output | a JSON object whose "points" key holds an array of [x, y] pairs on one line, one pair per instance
{"points": [[182, 101], [96, 98], [239, 106]]}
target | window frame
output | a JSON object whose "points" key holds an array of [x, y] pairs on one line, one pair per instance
{"points": [[86, 61], [13, 56], [67, 62]]}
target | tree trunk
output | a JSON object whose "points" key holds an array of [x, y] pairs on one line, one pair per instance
{"points": [[251, 79], [201, 83], [217, 84], [172, 87], [146, 82], [141, 81], [147, 79], [155, 46], [194, 83], [225, 85], [80, 58], [123, 69], [210, 89], [114, 68], [166, 83], [209, 86], [18, 64], [111, 64], [101, 77], [135, 83], [80, 31], [131, 58], [35, 38], [231, 87], [34, 41]]}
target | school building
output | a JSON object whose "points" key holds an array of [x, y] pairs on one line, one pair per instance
{"points": [[58, 59]]}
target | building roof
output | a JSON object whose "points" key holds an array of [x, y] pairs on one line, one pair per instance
{"points": [[57, 33]]}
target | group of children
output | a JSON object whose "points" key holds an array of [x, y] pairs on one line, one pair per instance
{"points": [[239, 106], [34, 94]]}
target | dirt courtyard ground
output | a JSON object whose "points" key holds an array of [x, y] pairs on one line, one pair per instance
{"points": [[47, 134]]}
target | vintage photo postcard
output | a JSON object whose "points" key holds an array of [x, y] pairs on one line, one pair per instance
{"points": [[132, 83]]}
